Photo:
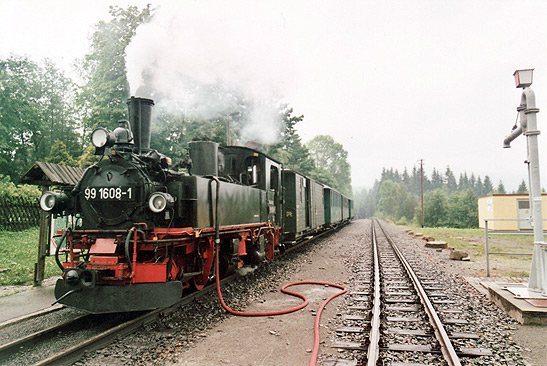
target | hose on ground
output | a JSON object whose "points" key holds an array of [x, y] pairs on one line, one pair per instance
{"points": [[315, 351]]}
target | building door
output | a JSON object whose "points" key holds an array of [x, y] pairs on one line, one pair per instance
{"points": [[523, 214]]}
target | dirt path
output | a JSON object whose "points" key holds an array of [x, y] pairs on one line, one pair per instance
{"points": [[286, 339]]}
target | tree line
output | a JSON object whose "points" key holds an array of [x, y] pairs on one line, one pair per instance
{"points": [[47, 116], [448, 201]]}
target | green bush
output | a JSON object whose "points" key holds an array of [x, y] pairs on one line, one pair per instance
{"points": [[9, 190], [19, 205]]}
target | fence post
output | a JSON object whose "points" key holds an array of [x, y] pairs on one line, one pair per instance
{"points": [[43, 243], [486, 248]]}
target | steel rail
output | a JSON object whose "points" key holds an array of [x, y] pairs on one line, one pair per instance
{"points": [[447, 348], [14, 346], [373, 352]]}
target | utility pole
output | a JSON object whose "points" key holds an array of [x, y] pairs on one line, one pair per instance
{"points": [[422, 187]]}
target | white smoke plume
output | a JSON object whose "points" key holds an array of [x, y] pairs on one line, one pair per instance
{"points": [[202, 57]]}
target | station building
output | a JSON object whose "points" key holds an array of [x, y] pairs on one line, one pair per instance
{"points": [[513, 209]]}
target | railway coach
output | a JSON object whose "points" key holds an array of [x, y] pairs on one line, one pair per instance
{"points": [[303, 206]]}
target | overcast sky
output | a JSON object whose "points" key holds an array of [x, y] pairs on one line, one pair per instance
{"points": [[393, 81]]}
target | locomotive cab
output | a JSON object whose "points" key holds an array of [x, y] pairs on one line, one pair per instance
{"points": [[252, 168]]}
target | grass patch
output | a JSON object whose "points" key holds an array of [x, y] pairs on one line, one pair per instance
{"points": [[516, 274], [459, 239], [18, 253], [472, 241]]}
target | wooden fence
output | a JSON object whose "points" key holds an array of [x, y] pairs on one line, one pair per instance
{"points": [[17, 213]]}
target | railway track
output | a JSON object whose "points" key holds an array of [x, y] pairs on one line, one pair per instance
{"points": [[34, 347], [401, 315], [102, 329], [90, 332]]}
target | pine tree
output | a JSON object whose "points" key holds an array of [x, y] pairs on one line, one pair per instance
{"points": [[450, 180], [479, 187], [436, 180], [472, 182], [523, 188], [488, 187], [463, 182], [501, 188]]}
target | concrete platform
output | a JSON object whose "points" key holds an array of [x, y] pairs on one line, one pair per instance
{"points": [[26, 302], [518, 302]]}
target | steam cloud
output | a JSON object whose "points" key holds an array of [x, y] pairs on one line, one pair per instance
{"points": [[202, 58]]}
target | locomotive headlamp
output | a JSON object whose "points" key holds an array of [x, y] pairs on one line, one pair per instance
{"points": [[88, 277], [160, 201], [53, 201], [72, 277], [101, 137]]}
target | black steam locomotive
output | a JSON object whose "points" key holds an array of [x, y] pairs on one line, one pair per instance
{"points": [[146, 229]]}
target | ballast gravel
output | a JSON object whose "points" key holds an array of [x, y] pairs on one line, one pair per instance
{"points": [[204, 334]]}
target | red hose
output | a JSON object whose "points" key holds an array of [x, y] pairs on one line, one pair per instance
{"points": [[315, 351]]}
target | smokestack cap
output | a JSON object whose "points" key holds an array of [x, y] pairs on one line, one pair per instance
{"points": [[140, 118]]}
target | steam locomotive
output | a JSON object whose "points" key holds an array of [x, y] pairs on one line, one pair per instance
{"points": [[146, 229]]}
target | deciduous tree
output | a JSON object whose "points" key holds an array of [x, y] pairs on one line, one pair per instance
{"points": [[103, 69], [331, 156], [36, 109], [290, 150]]}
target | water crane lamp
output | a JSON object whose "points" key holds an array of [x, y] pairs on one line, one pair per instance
{"points": [[523, 78]]}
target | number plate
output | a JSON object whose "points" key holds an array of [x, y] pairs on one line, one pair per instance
{"points": [[109, 193]]}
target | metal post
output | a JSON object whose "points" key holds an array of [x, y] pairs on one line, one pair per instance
{"points": [[422, 187], [43, 243], [528, 126], [528, 113], [538, 276], [487, 250]]}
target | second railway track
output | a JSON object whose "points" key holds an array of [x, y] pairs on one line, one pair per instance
{"points": [[399, 313]]}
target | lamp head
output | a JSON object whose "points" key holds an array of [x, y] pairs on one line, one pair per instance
{"points": [[523, 78]]}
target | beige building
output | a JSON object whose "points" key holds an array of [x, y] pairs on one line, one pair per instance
{"points": [[512, 207]]}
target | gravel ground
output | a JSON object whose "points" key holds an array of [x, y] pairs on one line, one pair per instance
{"points": [[203, 334]]}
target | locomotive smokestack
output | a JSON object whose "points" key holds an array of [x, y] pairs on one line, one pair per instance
{"points": [[140, 118]]}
